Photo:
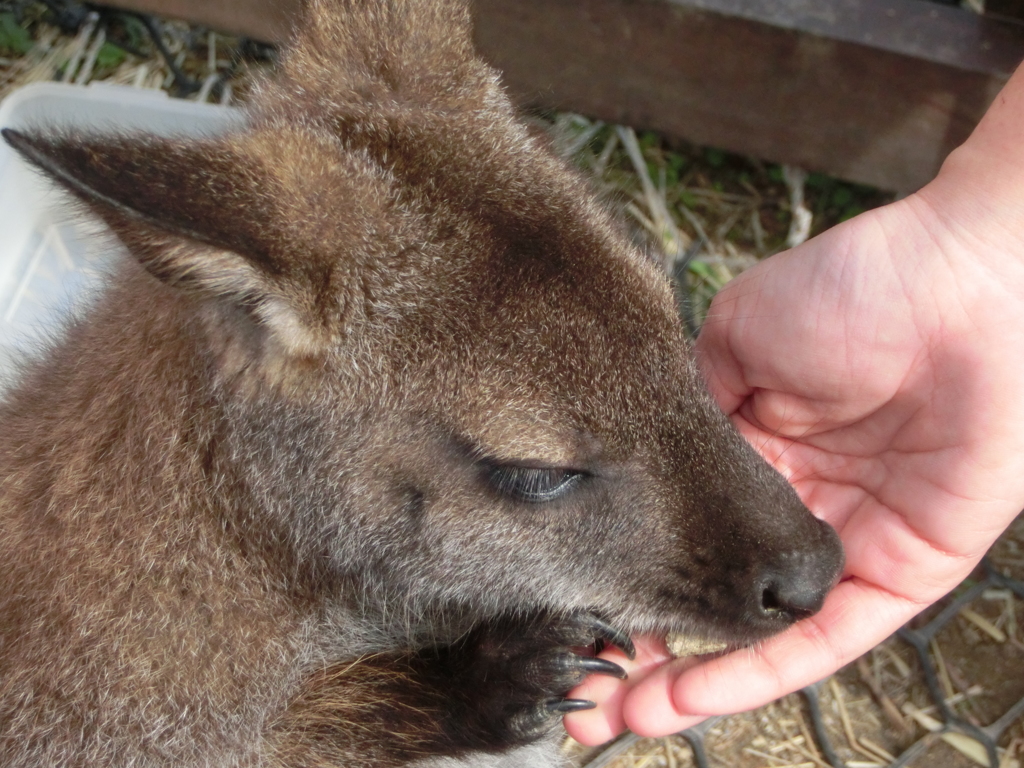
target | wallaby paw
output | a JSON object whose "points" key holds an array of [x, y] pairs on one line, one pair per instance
{"points": [[518, 671]]}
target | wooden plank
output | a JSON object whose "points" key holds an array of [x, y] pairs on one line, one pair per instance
{"points": [[875, 91], [1008, 9], [266, 20]]}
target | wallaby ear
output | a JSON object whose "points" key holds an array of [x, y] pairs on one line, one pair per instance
{"points": [[190, 190], [196, 215], [407, 52]]}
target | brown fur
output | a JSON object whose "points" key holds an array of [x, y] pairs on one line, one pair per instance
{"points": [[252, 508]]}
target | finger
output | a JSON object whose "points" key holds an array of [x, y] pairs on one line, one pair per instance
{"points": [[722, 370], [654, 703], [604, 722], [856, 617]]}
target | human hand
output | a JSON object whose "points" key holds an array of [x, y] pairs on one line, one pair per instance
{"points": [[879, 366]]}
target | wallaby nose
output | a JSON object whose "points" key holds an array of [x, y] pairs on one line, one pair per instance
{"points": [[795, 586], [797, 597]]}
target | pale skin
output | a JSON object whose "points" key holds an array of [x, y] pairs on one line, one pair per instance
{"points": [[880, 367]]}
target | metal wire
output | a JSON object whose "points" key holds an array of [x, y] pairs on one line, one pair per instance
{"points": [[695, 737]]}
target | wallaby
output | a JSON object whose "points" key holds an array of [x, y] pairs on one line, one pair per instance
{"points": [[381, 418]]}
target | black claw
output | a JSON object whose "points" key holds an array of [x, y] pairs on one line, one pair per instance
{"points": [[563, 706], [615, 637], [601, 667]]}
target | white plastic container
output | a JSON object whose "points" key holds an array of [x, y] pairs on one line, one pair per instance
{"points": [[52, 258]]}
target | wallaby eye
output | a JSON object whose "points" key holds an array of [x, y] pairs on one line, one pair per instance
{"points": [[532, 484]]}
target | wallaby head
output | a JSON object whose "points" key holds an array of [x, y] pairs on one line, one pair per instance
{"points": [[497, 404], [428, 378]]}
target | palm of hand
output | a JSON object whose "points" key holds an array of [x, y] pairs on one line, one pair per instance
{"points": [[894, 416]]}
